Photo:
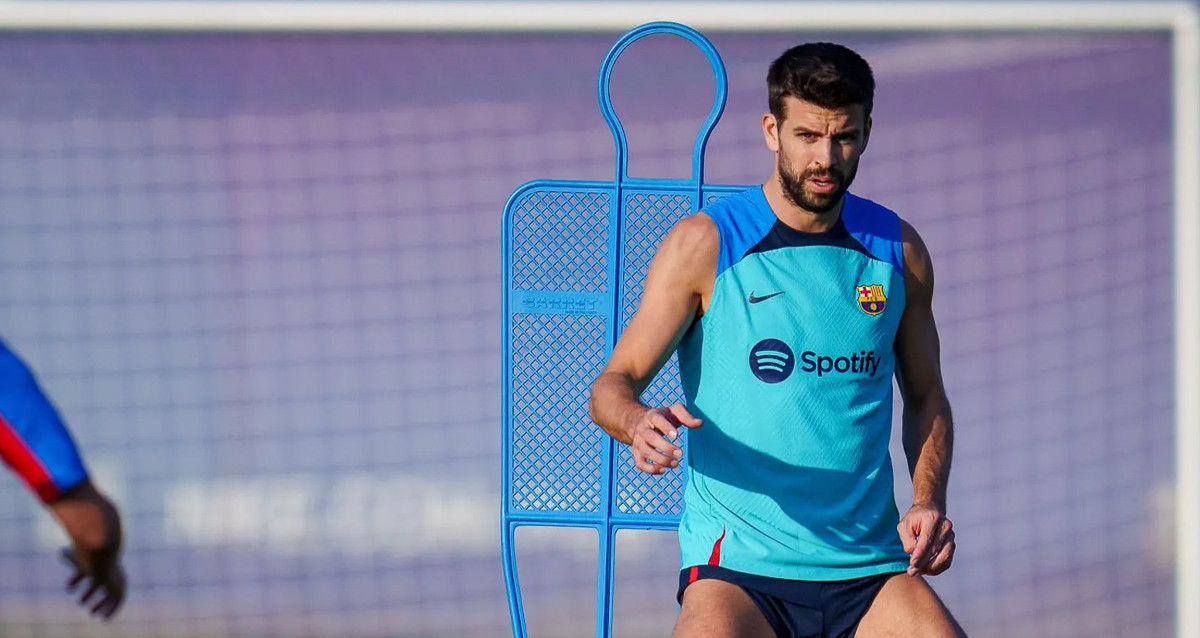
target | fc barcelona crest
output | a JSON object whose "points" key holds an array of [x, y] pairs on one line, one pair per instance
{"points": [[871, 298]]}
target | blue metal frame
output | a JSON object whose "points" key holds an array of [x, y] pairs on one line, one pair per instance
{"points": [[604, 95], [606, 522]]}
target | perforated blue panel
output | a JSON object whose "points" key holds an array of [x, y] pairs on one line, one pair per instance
{"points": [[562, 291], [575, 257], [559, 240], [556, 450], [569, 290], [649, 215]]}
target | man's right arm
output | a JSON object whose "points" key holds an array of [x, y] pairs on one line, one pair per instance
{"points": [[36, 445], [677, 286]]}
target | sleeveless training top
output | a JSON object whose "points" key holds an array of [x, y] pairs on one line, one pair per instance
{"points": [[791, 370]]}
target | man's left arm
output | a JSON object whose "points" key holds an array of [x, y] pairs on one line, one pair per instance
{"points": [[928, 429]]}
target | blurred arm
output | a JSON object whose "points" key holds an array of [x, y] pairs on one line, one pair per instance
{"points": [[34, 442]]}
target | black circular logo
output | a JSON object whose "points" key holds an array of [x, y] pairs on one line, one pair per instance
{"points": [[772, 361]]}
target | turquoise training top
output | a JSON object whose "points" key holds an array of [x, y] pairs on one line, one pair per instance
{"points": [[791, 370]]}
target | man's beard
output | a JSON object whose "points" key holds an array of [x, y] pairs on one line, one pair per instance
{"points": [[819, 203]]}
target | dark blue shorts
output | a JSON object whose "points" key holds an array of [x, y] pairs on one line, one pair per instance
{"points": [[799, 608]]}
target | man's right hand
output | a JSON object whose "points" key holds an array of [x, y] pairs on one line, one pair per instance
{"points": [[652, 435], [94, 527]]}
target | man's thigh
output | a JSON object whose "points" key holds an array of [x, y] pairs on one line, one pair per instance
{"points": [[907, 607], [717, 609]]}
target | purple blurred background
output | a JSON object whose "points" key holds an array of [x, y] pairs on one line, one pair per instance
{"points": [[260, 274]]}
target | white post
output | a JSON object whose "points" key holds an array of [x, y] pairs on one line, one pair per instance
{"points": [[1186, 60]]}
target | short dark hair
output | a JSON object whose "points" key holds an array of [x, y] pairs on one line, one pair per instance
{"points": [[822, 73]]}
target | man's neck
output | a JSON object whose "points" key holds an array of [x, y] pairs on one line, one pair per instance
{"points": [[794, 216]]}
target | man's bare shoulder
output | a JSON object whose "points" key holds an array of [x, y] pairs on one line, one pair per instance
{"points": [[696, 231], [916, 253], [689, 252], [918, 265], [693, 239]]}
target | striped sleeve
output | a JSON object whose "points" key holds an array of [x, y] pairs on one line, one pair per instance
{"points": [[34, 441]]}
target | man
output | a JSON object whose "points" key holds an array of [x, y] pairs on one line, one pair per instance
{"points": [[791, 306], [36, 445]]}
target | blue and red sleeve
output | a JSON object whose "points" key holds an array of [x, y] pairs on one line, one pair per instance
{"points": [[34, 441]]}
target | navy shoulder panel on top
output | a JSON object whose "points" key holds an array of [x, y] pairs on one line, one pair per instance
{"points": [[876, 227], [783, 236], [747, 225], [863, 226], [742, 220]]}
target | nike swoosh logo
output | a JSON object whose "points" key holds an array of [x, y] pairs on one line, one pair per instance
{"points": [[753, 299]]}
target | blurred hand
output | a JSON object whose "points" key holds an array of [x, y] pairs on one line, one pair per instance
{"points": [[653, 452], [93, 524], [928, 536]]}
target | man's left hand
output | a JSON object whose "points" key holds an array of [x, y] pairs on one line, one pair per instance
{"points": [[928, 536]]}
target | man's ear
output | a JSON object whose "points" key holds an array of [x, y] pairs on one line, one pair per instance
{"points": [[770, 127]]}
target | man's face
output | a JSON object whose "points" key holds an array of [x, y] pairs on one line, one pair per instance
{"points": [[817, 151]]}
